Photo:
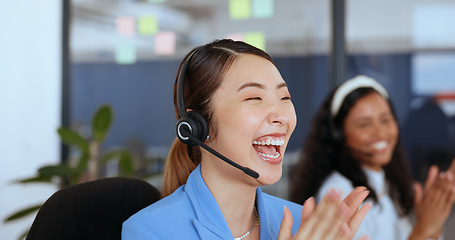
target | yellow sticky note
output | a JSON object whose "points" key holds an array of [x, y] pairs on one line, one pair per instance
{"points": [[125, 53], [147, 25], [240, 9], [262, 8], [165, 43], [256, 39]]}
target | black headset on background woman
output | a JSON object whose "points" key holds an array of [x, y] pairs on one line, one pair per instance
{"points": [[192, 129]]}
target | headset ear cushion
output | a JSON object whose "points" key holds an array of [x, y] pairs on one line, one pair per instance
{"points": [[202, 126], [195, 123]]}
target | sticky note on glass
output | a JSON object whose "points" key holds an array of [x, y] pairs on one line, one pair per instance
{"points": [[262, 8], [235, 36], [256, 39], [240, 9], [165, 43], [125, 53], [147, 25], [125, 26]]}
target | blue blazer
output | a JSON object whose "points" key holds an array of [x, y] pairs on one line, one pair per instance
{"points": [[191, 212]]}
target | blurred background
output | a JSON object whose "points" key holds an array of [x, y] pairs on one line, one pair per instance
{"points": [[61, 60]]}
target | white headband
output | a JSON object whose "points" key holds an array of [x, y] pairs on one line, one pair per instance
{"points": [[349, 86]]}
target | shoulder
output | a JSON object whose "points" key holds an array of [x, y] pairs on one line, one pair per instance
{"points": [[335, 181], [160, 216]]}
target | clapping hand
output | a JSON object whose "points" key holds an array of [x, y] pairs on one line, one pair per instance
{"points": [[331, 219]]}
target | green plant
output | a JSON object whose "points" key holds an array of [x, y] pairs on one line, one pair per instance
{"points": [[86, 165]]}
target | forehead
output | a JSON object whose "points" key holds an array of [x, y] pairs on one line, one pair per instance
{"points": [[252, 68], [371, 104]]}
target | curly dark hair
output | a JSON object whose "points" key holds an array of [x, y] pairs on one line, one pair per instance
{"points": [[325, 151]]}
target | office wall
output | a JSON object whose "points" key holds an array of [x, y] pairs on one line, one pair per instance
{"points": [[30, 82]]}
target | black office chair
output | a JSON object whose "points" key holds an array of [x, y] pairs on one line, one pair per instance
{"points": [[92, 210]]}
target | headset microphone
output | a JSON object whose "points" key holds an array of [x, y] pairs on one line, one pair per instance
{"points": [[246, 170], [192, 128]]}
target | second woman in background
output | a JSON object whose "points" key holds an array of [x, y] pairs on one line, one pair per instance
{"points": [[354, 141]]}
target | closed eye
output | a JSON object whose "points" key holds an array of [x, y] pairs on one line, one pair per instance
{"points": [[286, 98], [253, 98]]}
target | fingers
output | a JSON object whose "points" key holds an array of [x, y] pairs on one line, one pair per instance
{"points": [[356, 197], [285, 232], [452, 167], [364, 238], [308, 208], [418, 194], [431, 177], [435, 204], [356, 220], [326, 220]]}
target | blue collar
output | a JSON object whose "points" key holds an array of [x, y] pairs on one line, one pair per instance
{"points": [[209, 218]]}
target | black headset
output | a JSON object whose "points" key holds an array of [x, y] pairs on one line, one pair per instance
{"points": [[193, 122], [192, 128], [337, 133]]}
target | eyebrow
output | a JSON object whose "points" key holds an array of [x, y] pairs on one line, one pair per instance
{"points": [[258, 85]]}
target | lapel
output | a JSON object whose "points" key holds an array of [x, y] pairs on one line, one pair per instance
{"points": [[269, 230], [209, 222]]}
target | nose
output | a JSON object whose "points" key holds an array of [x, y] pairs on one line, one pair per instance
{"points": [[279, 117], [379, 130]]}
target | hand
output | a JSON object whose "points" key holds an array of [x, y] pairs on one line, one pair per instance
{"points": [[433, 204], [331, 219]]}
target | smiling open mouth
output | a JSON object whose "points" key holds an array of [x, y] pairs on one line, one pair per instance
{"points": [[268, 147]]}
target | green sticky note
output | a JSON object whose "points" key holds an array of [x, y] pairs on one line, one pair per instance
{"points": [[125, 53], [240, 9], [147, 25], [256, 39], [262, 8]]}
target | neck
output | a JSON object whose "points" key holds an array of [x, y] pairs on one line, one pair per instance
{"points": [[234, 196]]}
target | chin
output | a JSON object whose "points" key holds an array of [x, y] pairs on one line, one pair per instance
{"points": [[270, 177]]}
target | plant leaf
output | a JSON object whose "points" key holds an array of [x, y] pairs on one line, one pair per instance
{"points": [[71, 137], [39, 179], [111, 155], [126, 163], [101, 122], [125, 160], [56, 170], [22, 213], [83, 162]]}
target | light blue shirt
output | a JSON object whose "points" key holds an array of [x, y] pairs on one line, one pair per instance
{"points": [[191, 212]]}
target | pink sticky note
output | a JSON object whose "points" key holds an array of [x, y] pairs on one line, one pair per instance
{"points": [[165, 43], [236, 36], [125, 26]]}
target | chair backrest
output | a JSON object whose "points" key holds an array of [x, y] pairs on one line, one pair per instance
{"points": [[92, 210]]}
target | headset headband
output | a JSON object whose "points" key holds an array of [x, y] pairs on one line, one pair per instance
{"points": [[180, 78], [349, 86]]}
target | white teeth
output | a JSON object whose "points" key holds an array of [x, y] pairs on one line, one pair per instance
{"points": [[380, 145], [271, 156], [270, 142]]}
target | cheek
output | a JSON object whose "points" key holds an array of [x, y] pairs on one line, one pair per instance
{"points": [[355, 138], [394, 132]]}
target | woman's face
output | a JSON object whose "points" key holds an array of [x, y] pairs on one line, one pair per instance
{"points": [[254, 118], [371, 131]]}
